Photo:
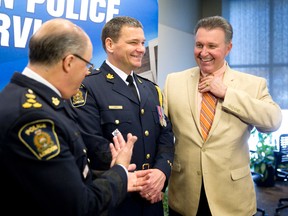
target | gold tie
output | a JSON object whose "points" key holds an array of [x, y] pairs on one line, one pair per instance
{"points": [[207, 112]]}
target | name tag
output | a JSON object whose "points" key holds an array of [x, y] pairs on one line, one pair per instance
{"points": [[115, 107]]}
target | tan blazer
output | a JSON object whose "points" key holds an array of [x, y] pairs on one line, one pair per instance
{"points": [[223, 160]]}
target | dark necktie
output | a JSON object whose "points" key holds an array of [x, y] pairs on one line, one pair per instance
{"points": [[132, 86]]}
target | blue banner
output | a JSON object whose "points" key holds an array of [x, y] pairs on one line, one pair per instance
{"points": [[19, 19]]}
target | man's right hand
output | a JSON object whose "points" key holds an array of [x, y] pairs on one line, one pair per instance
{"points": [[122, 151], [138, 179]]}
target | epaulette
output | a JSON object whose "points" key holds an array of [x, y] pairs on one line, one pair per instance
{"points": [[31, 100], [160, 96], [140, 77], [94, 72]]}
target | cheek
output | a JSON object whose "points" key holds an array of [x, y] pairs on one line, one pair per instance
{"points": [[79, 75], [196, 52]]}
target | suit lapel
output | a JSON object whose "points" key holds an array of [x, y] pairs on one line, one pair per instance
{"points": [[143, 91], [119, 85], [229, 80], [193, 97]]}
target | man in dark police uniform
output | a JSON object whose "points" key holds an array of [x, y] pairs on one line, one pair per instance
{"points": [[43, 161], [106, 104]]}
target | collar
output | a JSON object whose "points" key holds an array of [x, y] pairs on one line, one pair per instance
{"points": [[33, 75], [120, 73]]}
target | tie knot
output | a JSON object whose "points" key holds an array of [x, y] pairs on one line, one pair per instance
{"points": [[129, 79]]}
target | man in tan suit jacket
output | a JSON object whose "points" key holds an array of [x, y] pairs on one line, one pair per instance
{"points": [[212, 176]]}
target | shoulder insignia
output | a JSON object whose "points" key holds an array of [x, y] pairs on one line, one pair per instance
{"points": [[55, 101], [40, 138], [79, 99], [140, 78], [159, 95], [31, 101], [110, 76], [93, 72]]}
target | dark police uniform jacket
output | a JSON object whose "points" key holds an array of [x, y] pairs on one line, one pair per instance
{"points": [[43, 163], [105, 103]]}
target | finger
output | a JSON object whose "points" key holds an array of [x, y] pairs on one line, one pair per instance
{"points": [[130, 141], [112, 149], [121, 140], [149, 197], [141, 182], [143, 173], [131, 167], [116, 142]]}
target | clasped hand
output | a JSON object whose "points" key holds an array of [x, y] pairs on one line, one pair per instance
{"points": [[121, 154]]}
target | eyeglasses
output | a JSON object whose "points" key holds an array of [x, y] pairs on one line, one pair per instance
{"points": [[90, 66]]}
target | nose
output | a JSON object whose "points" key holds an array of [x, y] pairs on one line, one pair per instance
{"points": [[141, 48], [204, 51]]}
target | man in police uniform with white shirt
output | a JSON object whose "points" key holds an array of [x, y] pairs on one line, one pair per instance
{"points": [[43, 161], [105, 103]]}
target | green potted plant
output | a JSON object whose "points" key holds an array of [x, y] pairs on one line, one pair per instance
{"points": [[262, 159]]}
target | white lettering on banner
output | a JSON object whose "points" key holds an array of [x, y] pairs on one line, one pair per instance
{"points": [[111, 9], [20, 33], [31, 5], [70, 10], [20, 37], [8, 4], [101, 16], [4, 34], [59, 9], [23, 26], [83, 10], [93, 11]]}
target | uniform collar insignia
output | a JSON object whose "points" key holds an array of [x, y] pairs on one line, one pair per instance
{"points": [[110, 76], [55, 101]]}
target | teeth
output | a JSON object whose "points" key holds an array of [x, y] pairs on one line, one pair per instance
{"points": [[206, 60]]}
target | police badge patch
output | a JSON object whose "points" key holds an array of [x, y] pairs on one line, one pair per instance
{"points": [[40, 138], [79, 99]]}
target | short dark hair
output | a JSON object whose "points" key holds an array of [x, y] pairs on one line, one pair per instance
{"points": [[113, 27], [216, 22]]}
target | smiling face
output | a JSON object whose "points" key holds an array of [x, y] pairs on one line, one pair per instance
{"points": [[210, 49], [127, 52]]}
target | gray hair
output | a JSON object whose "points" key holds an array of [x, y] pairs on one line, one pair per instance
{"points": [[216, 22], [50, 47], [113, 27]]}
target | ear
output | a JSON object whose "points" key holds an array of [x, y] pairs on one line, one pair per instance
{"points": [[109, 45], [67, 63], [229, 47]]}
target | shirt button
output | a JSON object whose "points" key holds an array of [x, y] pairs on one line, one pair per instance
{"points": [[142, 111], [117, 121], [146, 133], [147, 156]]}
